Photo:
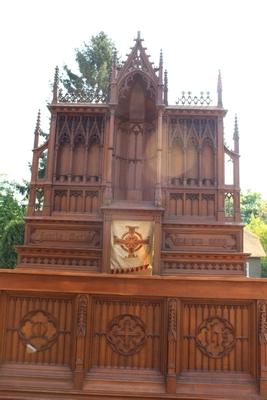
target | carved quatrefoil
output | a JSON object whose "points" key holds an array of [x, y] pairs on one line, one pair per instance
{"points": [[126, 334], [38, 329], [215, 337]]}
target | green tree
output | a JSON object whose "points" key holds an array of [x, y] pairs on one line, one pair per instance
{"points": [[252, 205], [94, 62], [12, 212], [259, 227]]}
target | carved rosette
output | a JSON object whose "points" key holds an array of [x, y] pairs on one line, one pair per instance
{"points": [[262, 322], [215, 337], [38, 330], [82, 315], [126, 334]]}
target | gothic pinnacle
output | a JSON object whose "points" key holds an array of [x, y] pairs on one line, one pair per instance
{"points": [[219, 90], [236, 136], [55, 85], [236, 131], [37, 130], [166, 87], [160, 66]]}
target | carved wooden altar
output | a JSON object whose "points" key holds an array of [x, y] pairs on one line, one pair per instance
{"points": [[180, 319]]}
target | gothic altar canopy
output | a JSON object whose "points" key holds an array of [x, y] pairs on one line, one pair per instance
{"points": [[131, 281], [134, 185]]}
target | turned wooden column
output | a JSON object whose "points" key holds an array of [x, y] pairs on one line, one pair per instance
{"points": [[220, 171], [158, 191], [51, 148], [108, 174]]}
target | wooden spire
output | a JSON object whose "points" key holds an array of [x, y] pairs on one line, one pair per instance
{"points": [[55, 86], [166, 87], [160, 66], [236, 136], [37, 130], [219, 90]]}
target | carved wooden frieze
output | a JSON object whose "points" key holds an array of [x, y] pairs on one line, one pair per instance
{"points": [[215, 337], [38, 330], [212, 267], [126, 334], [82, 238], [200, 241]]}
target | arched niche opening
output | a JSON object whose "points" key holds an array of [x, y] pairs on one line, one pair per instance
{"points": [[192, 164], [63, 158], [78, 158], [176, 166], [93, 161], [134, 174], [208, 164]]}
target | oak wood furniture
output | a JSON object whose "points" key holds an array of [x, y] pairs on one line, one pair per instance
{"points": [[191, 326]]}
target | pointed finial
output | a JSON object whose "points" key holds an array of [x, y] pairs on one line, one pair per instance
{"points": [[37, 130], [236, 131], [219, 90], [160, 66], [114, 66], [55, 85], [138, 38], [161, 58], [166, 87], [236, 136]]}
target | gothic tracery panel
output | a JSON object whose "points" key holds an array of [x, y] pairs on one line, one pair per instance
{"points": [[38, 330], [214, 336], [127, 333]]}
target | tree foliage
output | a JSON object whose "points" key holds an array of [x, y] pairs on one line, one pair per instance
{"points": [[12, 212], [252, 205], [254, 214], [94, 62]]}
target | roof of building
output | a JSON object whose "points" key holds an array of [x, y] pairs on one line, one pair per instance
{"points": [[253, 245]]}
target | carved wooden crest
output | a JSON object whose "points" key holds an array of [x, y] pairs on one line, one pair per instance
{"points": [[215, 337], [126, 334], [38, 330]]}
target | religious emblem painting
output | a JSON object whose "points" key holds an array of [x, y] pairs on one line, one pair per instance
{"points": [[131, 247]]}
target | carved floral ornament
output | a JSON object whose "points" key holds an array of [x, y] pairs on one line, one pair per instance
{"points": [[215, 337], [38, 330], [126, 334]]}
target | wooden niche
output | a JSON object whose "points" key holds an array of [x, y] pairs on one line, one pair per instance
{"points": [[135, 143]]}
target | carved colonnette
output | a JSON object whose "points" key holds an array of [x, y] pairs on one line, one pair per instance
{"points": [[83, 305]]}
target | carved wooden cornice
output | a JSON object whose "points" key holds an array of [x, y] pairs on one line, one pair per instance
{"points": [[195, 110]]}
